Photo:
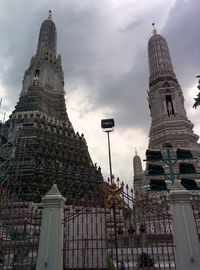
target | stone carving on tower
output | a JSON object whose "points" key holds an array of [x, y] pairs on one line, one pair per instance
{"points": [[166, 102], [47, 150]]}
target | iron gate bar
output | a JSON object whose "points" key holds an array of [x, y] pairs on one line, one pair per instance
{"points": [[18, 238], [91, 232], [156, 241]]}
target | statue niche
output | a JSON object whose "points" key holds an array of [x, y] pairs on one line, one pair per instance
{"points": [[35, 80], [169, 105]]}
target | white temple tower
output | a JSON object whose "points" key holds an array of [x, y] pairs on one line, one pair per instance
{"points": [[166, 102], [138, 174]]}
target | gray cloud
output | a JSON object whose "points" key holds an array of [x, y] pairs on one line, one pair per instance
{"points": [[106, 53], [130, 25], [183, 35], [103, 48]]}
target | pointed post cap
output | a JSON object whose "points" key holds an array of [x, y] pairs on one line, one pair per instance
{"points": [[50, 15], [53, 196], [54, 191], [177, 186], [178, 193]]}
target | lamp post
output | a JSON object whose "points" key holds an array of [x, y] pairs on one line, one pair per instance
{"points": [[107, 126]]}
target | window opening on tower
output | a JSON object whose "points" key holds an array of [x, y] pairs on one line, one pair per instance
{"points": [[35, 80], [37, 73]]}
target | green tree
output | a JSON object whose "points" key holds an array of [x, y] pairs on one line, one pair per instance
{"points": [[110, 264]]}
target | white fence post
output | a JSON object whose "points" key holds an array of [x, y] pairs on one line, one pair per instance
{"points": [[187, 246], [50, 253]]}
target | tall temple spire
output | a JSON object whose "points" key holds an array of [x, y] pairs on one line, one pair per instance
{"points": [[47, 41], [138, 174], [166, 101], [45, 70], [159, 56], [47, 149]]}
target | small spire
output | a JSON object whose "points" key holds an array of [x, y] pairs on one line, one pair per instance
{"points": [[50, 15], [154, 29], [136, 151]]}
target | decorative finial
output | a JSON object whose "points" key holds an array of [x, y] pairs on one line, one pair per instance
{"points": [[50, 15], [136, 151], [154, 29]]}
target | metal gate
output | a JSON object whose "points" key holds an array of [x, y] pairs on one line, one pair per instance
{"points": [[105, 230], [19, 233], [112, 230]]}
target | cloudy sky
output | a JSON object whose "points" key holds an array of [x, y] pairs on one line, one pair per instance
{"points": [[103, 45]]}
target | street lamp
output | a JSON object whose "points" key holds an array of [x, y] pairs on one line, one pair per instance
{"points": [[107, 126]]}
